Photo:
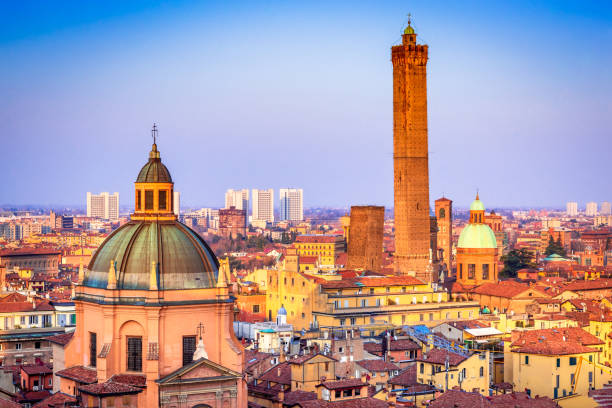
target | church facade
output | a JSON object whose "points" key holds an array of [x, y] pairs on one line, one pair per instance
{"points": [[154, 314]]}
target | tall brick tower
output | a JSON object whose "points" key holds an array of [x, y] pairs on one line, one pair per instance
{"points": [[410, 157], [444, 215]]}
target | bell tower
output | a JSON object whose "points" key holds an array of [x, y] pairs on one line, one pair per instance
{"points": [[410, 157]]}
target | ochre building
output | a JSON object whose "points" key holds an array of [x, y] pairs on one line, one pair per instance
{"points": [[154, 314], [410, 158]]}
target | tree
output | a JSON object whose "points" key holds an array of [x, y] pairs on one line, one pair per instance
{"points": [[515, 260], [554, 247]]}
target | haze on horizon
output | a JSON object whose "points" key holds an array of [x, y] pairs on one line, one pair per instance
{"points": [[277, 94]]}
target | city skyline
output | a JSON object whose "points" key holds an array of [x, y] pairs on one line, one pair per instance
{"points": [[540, 86]]}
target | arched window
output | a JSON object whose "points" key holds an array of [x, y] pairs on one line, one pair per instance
{"points": [[442, 213]]}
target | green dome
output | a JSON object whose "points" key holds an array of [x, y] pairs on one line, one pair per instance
{"points": [[477, 236], [477, 205], [185, 260], [154, 172]]}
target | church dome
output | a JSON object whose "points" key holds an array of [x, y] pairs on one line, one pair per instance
{"points": [[154, 171], [183, 259], [477, 205], [477, 236], [154, 251]]}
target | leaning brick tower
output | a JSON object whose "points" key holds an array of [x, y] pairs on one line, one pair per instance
{"points": [[410, 158]]}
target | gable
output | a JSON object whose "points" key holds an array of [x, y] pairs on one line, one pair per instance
{"points": [[531, 294], [319, 358], [200, 369]]}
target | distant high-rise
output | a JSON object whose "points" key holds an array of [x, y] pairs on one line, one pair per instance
{"points": [[572, 209], [239, 199], [606, 208], [410, 158], [176, 204], [263, 205], [291, 204], [591, 209], [103, 205]]}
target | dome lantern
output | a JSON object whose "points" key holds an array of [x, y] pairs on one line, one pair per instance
{"points": [[154, 189]]}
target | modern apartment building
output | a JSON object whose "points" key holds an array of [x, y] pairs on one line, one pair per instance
{"points": [[263, 205], [572, 208], [103, 205], [591, 209], [291, 204], [239, 199]]}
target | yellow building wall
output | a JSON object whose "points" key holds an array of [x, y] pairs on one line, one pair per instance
{"points": [[306, 376], [530, 375], [292, 291], [326, 252], [474, 366]]}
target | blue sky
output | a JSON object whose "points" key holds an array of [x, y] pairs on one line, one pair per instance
{"points": [[298, 94]]}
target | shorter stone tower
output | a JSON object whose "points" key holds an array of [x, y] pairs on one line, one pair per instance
{"points": [[366, 238], [444, 215]]}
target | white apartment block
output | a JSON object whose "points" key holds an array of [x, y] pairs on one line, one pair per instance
{"points": [[572, 209], [263, 205], [591, 209], [238, 199], [606, 208], [103, 205], [176, 203], [291, 204]]}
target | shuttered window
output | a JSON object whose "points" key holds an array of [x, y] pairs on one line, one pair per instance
{"points": [[189, 347], [134, 354]]}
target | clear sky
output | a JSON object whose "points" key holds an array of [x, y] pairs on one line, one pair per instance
{"points": [[299, 94]]}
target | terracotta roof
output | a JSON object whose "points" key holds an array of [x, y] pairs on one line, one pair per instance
{"points": [[9, 404], [351, 403], [79, 374], [59, 399], [560, 341], [297, 396], [505, 289], [370, 281], [280, 373], [588, 285], [377, 365], [521, 400], [37, 369], [303, 358], [29, 251], [342, 384], [460, 399], [396, 345], [109, 388], [12, 307], [61, 339], [437, 356], [406, 377], [134, 380], [316, 239]]}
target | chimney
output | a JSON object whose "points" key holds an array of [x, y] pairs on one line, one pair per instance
{"points": [[278, 371], [364, 378]]}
